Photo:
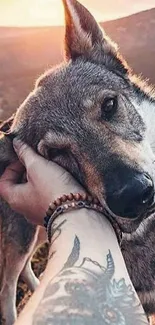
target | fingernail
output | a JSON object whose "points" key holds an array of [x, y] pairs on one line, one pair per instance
{"points": [[17, 144]]}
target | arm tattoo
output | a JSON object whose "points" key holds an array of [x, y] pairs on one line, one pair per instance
{"points": [[57, 233], [81, 296]]}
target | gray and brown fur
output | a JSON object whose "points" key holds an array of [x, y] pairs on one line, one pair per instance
{"points": [[64, 119], [18, 241]]}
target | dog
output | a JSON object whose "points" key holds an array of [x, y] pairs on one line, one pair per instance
{"points": [[93, 117]]}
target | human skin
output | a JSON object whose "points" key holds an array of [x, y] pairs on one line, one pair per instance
{"points": [[46, 181], [85, 281]]}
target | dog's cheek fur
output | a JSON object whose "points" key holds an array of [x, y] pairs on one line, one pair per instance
{"points": [[70, 163]]}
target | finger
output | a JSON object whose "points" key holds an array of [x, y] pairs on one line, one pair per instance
{"points": [[8, 180], [25, 154], [14, 194], [12, 173]]}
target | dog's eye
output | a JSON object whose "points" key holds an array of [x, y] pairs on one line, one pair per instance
{"points": [[108, 108]]}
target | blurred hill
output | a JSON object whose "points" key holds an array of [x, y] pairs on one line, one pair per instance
{"points": [[27, 52]]}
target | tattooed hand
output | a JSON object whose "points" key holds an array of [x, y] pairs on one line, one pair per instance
{"points": [[86, 282]]}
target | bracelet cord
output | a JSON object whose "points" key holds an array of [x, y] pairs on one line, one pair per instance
{"points": [[73, 202]]}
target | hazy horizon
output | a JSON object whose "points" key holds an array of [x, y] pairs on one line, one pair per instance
{"points": [[50, 12]]}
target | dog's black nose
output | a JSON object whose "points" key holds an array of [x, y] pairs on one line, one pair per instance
{"points": [[134, 197]]}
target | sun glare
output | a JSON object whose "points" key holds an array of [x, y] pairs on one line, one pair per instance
{"points": [[46, 12], [50, 12], [36, 12], [31, 12]]}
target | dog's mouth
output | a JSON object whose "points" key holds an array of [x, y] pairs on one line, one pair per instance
{"points": [[141, 212], [130, 222], [149, 211]]}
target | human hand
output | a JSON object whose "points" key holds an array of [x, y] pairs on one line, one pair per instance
{"points": [[46, 181]]}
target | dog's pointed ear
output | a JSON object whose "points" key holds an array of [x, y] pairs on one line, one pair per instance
{"points": [[84, 37], [83, 33]]}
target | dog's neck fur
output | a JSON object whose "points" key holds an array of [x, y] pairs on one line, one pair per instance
{"points": [[147, 110]]}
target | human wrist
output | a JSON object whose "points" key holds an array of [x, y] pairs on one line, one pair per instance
{"points": [[92, 234], [53, 194], [89, 225], [72, 201], [44, 200]]}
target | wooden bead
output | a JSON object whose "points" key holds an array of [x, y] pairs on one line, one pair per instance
{"points": [[58, 202], [64, 198], [52, 206], [77, 196], [70, 197], [49, 212]]}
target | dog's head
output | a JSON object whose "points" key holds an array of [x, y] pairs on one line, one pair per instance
{"points": [[87, 115]]}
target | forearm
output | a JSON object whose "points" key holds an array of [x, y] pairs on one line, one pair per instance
{"points": [[85, 281]]}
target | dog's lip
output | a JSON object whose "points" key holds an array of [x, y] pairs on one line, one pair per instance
{"points": [[147, 212], [109, 211], [115, 216]]}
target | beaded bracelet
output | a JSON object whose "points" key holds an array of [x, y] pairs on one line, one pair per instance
{"points": [[74, 202]]}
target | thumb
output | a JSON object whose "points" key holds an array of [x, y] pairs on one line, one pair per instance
{"points": [[25, 154]]}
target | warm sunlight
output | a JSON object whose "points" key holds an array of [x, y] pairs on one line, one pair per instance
{"points": [[33, 12], [50, 12]]}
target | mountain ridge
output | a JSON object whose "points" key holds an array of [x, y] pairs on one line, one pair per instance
{"points": [[26, 52]]}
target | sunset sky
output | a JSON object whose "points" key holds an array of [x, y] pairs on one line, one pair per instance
{"points": [[50, 12]]}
